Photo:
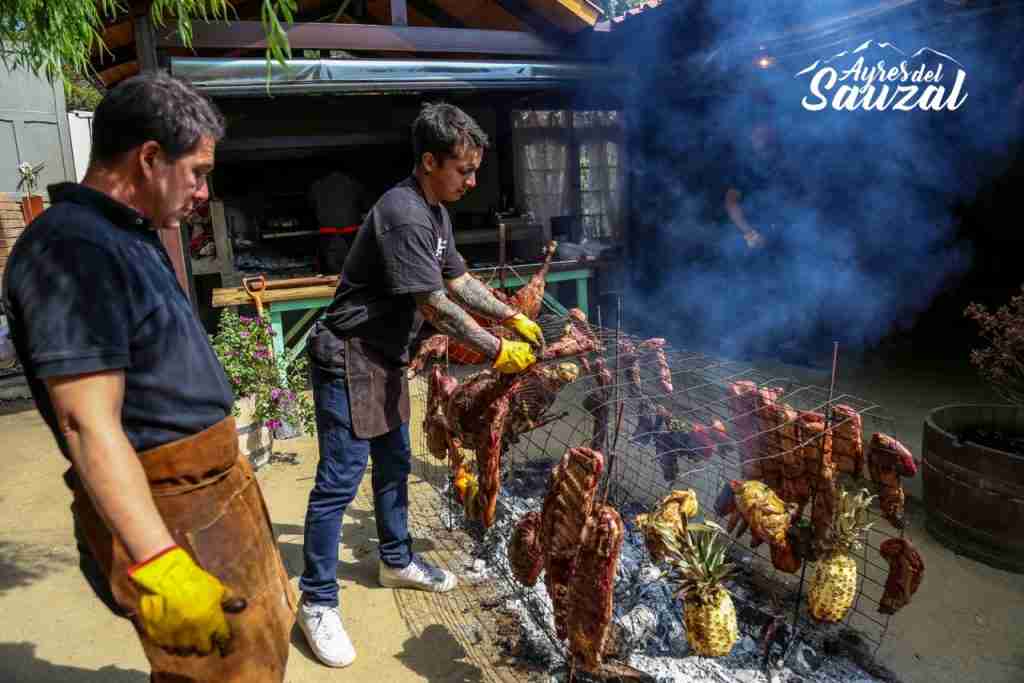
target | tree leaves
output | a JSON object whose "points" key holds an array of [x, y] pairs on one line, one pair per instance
{"points": [[47, 36]]}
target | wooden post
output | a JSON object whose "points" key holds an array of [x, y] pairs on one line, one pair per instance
{"points": [[399, 13], [145, 51]]}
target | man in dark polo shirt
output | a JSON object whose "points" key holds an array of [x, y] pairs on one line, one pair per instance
{"points": [[403, 261], [123, 373]]}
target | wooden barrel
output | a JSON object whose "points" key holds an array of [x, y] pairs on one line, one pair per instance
{"points": [[254, 440], [974, 495]]}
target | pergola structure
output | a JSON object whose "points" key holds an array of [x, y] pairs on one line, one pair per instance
{"points": [[549, 30]]}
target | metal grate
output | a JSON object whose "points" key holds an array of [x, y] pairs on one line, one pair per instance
{"points": [[638, 474]]}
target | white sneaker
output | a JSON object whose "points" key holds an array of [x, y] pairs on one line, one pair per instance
{"points": [[325, 634], [419, 575]]}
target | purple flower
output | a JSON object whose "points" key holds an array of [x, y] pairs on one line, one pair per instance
{"points": [[262, 354], [273, 424], [244, 319], [275, 394], [291, 395], [245, 334]]}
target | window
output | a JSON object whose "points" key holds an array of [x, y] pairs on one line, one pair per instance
{"points": [[570, 164]]}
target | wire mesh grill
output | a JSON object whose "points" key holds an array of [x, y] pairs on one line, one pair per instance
{"points": [[644, 461]]}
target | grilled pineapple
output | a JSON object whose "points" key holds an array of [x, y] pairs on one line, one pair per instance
{"points": [[834, 585], [671, 513], [709, 614]]}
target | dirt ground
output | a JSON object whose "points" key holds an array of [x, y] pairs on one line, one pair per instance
{"points": [[958, 628]]}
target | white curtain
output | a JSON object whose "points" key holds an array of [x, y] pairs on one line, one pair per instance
{"points": [[543, 157], [601, 188]]}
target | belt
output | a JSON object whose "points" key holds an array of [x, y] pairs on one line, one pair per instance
{"points": [[347, 230]]}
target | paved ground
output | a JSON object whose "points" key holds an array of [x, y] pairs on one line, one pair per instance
{"points": [[958, 629]]}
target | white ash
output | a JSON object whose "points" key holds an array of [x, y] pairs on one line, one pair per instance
{"points": [[648, 632]]}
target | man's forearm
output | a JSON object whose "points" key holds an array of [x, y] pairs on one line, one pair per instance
{"points": [[111, 472], [454, 321], [478, 297]]}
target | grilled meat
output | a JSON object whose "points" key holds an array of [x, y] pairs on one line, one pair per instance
{"points": [[657, 347], [592, 587], [530, 297], [525, 551], [569, 501], [848, 440], [597, 402], [888, 460], [906, 570]]}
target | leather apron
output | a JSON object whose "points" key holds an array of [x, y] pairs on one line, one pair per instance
{"points": [[211, 502], [378, 391]]}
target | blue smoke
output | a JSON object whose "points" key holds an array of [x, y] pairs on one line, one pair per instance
{"points": [[857, 209]]}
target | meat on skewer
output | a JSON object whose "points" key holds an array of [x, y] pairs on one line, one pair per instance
{"points": [[525, 551], [592, 587], [848, 440], [906, 570], [888, 461], [569, 501], [657, 346]]}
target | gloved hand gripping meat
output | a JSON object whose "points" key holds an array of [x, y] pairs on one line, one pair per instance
{"points": [[527, 300]]}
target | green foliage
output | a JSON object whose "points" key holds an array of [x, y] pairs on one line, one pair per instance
{"points": [[45, 36], [1001, 362], [244, 347], [80, 92]]}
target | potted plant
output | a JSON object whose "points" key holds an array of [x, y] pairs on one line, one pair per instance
{"points": [[31, 203], [973, 472], [268, 392]]}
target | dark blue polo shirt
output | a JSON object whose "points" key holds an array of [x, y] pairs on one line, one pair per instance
{"points": [[89, 288]]}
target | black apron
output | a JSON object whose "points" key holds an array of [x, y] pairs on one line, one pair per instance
{"points": [[378, 391]]}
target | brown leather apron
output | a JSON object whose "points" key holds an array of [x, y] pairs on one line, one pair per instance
{"points": [[211, 502], [378, 391]]}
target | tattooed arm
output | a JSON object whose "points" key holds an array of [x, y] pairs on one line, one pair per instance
{"points": [[478, 298], [451, 319]]}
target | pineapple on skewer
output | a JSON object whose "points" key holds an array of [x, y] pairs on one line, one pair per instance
{"points": [[834, 585], [671, 515], [709, 614]]}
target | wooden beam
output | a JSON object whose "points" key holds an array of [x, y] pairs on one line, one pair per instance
{"points": [[399, 13], [323, 36], [145, 40]]}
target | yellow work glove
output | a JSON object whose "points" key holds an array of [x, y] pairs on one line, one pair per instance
{"points": [[527, 329], [180, 607], [514, 357]]}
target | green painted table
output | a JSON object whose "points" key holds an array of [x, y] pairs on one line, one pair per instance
{"points": [[291, 341]]}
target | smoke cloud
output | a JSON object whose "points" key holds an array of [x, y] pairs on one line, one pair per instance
{"points": [[856, 209]]}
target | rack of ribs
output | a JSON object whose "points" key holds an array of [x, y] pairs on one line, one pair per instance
{"points": [[592, 587], [568, 504]]}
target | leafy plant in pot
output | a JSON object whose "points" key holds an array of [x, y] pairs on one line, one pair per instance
{"points": [[265, 385], [31, 203]]}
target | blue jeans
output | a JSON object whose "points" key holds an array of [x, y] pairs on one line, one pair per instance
{"points": [[343, 458]]}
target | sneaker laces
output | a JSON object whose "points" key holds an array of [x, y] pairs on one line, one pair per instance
{"points": [[328, 624], [432, 573]]}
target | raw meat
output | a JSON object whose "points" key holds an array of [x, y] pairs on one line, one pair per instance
{"points": [[530, 297], [597, 402]]}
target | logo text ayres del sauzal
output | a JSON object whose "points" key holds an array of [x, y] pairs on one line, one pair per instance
{"points": [[928, 80]]}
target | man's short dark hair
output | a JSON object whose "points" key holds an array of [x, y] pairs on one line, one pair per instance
{"points": [[442, 129], [152, 107]]}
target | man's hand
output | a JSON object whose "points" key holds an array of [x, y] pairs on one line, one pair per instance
{"points": [[514, 357], [181, 609], [526, 328]]}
